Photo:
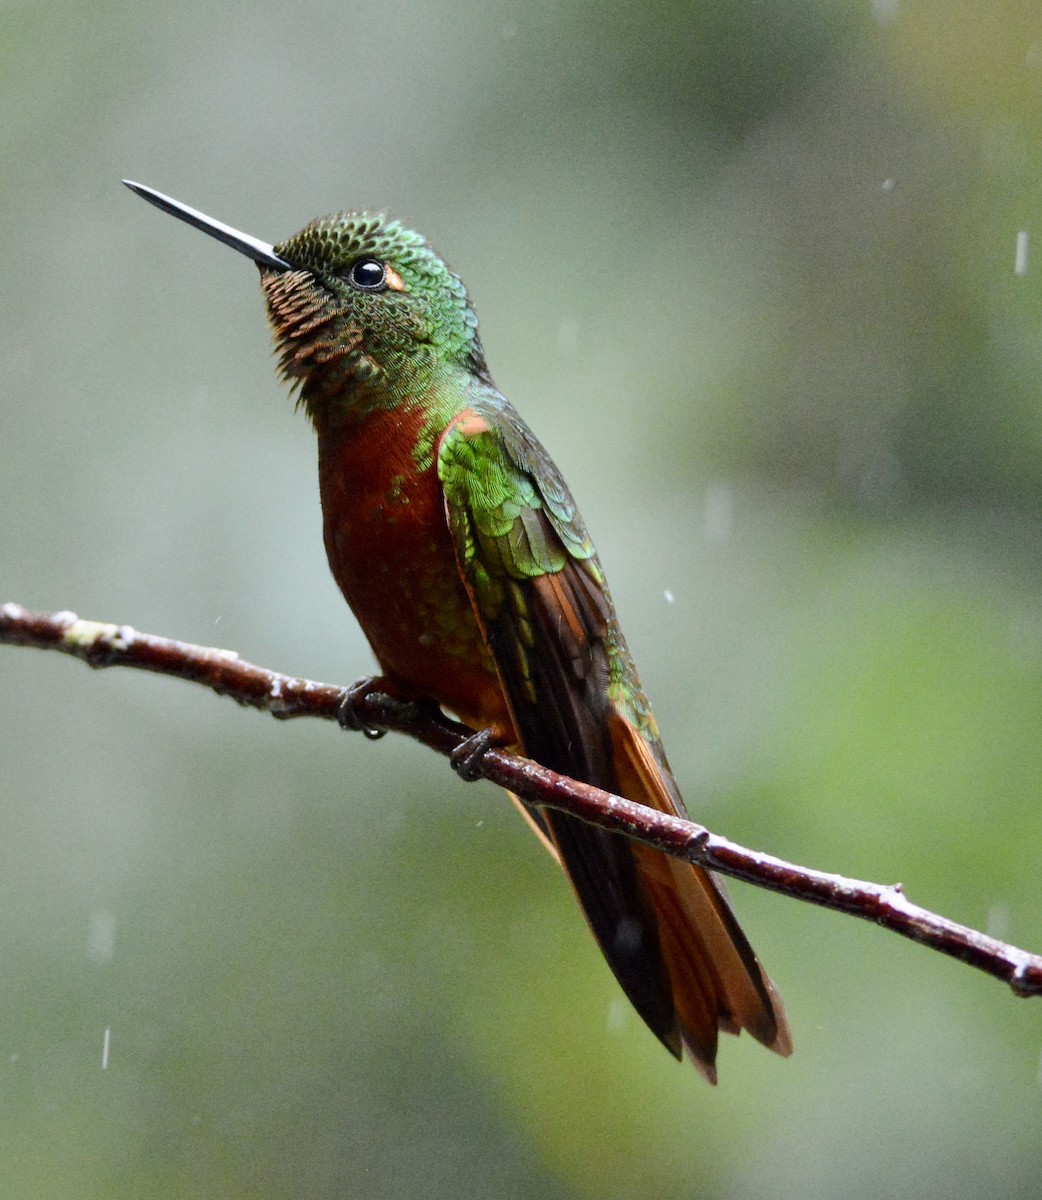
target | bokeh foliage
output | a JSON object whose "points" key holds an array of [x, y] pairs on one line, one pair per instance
{"points": [[748, 269]]}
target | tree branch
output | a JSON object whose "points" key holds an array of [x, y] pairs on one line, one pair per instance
{"points": [[285, 696]]}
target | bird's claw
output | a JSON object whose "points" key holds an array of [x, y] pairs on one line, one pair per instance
{"points": [[466, 759], [347, 707]]}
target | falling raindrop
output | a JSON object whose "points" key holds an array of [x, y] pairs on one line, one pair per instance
{"points": [[997, 924], [1020, 255], [618, 1014]]}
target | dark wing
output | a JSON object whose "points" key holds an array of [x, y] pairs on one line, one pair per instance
{"points": [[542, 602]]}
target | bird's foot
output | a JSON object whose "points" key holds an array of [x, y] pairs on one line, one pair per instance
{"points": [[468, 756], [347, 707]]}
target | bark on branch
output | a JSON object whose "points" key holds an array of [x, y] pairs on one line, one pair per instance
{"points": [[285, 696]]}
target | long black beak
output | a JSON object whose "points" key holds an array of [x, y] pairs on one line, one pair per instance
{"points": [[252, 247]]}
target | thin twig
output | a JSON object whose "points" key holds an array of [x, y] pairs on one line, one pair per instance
{"points": [[285, 696]]}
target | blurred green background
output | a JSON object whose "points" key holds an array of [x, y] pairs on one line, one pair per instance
{"points": [[749, 271]]}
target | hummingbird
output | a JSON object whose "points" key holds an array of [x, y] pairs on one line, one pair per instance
{"points": [[456, 542]]}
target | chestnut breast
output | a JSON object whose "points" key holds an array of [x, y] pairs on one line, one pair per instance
{"points": [[390, 551]]}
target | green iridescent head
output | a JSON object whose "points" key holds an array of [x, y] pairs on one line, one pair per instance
{"points": [[366, 302], [361, 307]]}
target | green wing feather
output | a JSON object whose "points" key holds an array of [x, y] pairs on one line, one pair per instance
{"points": [[530, 566]]}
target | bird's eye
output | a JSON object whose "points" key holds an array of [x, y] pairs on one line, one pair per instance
{"points": [[368, 274]]}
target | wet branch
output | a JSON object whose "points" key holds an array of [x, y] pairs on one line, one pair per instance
{"points": [[285, 696]]}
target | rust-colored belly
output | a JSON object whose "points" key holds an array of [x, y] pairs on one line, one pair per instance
{"points": [[391, 553]]}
